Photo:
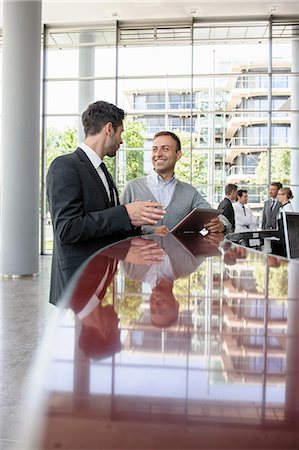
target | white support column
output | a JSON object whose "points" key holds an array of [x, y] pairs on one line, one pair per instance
{"points": [[21, 138], [86, 69], [295, 124]]}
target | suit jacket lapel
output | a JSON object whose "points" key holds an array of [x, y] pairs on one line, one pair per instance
{"points": [[93, 173]]}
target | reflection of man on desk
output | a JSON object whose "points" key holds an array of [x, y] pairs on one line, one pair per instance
{"points": [[164, 307], [99, 334], [177, 262]]}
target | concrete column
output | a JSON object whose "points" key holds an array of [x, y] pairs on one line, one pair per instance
{"points": [[86, 69], [21, 137], [295, 123]]}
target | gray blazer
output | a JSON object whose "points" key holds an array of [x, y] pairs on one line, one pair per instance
{"points": [[269, 216]]}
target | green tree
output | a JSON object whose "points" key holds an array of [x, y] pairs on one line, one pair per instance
{"points": [[128, 307], [277, 281], [59, 143], [280, 167], [130, 162], [194, 164], [133, 139]]}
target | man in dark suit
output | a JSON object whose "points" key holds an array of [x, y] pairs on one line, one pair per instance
{"points": [[83, 200], [226, 204], [271, 207]]}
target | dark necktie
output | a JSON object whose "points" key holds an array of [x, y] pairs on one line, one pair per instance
{"points": [[272, 204], [244, 210], [112, 188]]}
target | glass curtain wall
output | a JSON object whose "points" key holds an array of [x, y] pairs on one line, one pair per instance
{"points": [[223, 88]]}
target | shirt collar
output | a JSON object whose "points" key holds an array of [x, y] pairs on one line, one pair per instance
{"points": [[156, 178], [91, 154]]}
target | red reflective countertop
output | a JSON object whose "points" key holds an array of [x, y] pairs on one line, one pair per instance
{"points": [[199, 350]]}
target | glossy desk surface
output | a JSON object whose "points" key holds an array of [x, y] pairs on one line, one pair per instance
{"points": [[224, 375]]}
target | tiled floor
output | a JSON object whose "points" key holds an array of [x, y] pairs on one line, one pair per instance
{"points": [[24, 314]]}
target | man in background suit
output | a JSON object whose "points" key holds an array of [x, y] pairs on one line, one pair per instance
{"points": [[83, 200], [226, 204], [271, 207]]}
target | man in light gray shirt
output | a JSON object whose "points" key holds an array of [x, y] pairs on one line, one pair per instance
{"points": [[178, 198]]}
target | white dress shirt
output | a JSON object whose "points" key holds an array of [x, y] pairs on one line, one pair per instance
{"points": [[245, 220], [96, 162], [287, 207]]}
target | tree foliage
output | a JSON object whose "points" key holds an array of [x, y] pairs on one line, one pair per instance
{"points": [[193, 164], [133, 139], [277, 281], [128, 308], [59, 143], [280, 167]]}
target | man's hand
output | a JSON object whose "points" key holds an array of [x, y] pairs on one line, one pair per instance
{"points": [[215, 226], [213, 239], [144, 251], [144, 213], [162, 230]]}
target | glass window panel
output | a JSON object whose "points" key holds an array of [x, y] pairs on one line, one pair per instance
{"points": [[226, 58], [109, 67], [155, 60], [62, 63], [102, 37], [104, 90], [280, 164], [62, 97], [62, 123], [280, 134], [227, 112]]}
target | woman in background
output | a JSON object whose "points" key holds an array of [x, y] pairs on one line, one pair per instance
{"points": [[284, 196]]}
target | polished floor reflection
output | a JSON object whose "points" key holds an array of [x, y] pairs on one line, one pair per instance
{"points": [[24, 315], [198, 351]]}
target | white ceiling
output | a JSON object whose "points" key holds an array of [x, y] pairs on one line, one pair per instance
{"points": [[84, 12]]}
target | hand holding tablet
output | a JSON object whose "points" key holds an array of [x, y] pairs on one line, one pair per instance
{"points": [[198, 220]]}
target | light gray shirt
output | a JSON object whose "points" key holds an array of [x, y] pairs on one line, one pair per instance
{"points": [[161, 189]]}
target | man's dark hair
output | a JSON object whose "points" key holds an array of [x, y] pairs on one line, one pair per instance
{"points": [[98, 114], [276, 184], [229, 188], [241, 192], [174, 136]]}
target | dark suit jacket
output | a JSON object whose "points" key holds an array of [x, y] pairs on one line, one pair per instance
{"points": [[82, 218], [269, 217], [228, 211], [84, 285]]}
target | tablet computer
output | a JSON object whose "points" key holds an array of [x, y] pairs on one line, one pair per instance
{"points": [[194, 221]]}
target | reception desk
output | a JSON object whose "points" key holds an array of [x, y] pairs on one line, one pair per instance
{"points": [[198, 350]]}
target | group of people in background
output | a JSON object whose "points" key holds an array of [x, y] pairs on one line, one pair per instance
{"points": [[234, 207]]}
